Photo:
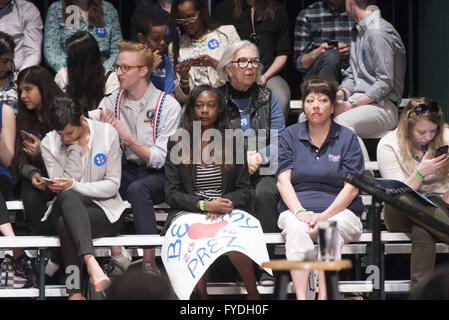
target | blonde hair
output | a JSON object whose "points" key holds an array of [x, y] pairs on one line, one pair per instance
{"points": [[407, 123], [146, 54]]}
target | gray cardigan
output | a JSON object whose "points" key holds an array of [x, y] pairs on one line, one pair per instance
{"points": [[98, 178]]}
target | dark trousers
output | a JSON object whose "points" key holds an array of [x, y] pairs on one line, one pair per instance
{"points": [[143, 188], [265, 207], [328, 66], [77, 225], [35, 205], [423, 237], [6, 193]]}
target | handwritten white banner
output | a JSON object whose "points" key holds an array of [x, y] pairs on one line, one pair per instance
{"points": [[192, 244]]}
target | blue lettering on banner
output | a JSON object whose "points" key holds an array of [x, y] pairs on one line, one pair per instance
{"points": [[176, 251], [213, 246]]}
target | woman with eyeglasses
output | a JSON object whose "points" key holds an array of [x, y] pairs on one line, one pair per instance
{"points": [[198, 44], [409, 154], [256, 110], [8, 91], [266, 24]]}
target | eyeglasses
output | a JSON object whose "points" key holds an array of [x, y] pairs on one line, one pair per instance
{"points": [[422, 108], [124, 68], [244, 62], [188, 20]]}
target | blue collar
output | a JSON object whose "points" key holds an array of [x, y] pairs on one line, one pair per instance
{"points": [[303, 133]]}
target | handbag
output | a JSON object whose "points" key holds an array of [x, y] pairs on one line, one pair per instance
{"points": [[11, 278]]}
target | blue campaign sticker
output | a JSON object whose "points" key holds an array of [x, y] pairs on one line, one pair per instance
{"points": [[100, 159], [101, 32], [363, 54], [213, 44]]}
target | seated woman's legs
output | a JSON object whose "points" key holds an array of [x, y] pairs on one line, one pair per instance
{"points": [[423, 237], [244, 266], [77, 226], [297, 242]]}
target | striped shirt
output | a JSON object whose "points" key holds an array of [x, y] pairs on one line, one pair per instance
{"points": [[208, 182], [377, 61], [317, 24]]}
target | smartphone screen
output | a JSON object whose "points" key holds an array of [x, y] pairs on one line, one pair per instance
{"points": [[332, 43], [25, 136], [441, 150]]}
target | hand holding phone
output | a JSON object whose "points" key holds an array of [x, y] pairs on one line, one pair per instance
{"points": [[50, 180], [26, 136], [441, 150], [332, 44]]}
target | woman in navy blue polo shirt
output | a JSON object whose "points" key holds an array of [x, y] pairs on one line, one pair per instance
{"points": [[314, 157]]}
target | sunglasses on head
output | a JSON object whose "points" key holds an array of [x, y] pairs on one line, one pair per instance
{"points": [[422, 108]]}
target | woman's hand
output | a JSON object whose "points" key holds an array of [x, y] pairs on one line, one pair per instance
{"points": [[305, 216], [205, 61], [38, 182], [183, 69], [313, 224], [262, 80], [429, 166], [220, 205], [62, 184], [32, 147], [213, 216]]}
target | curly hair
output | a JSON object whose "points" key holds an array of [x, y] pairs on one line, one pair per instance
{"points": [[95, 13]]}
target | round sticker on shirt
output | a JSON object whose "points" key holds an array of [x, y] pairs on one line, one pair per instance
{"points": [[150, 115], [101, 32], [100, 159], [213, 44]]}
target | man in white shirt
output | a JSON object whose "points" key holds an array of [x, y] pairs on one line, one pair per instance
{"points": [[21, 20], [144, 118]]}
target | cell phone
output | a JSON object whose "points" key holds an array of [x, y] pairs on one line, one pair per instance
{"points": [[50, 180], [441, 150], [185, 61], [332, 43], [26, 137]]}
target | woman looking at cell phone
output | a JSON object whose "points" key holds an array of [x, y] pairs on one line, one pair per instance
{"points": [[198, 44], [407, 154], [36, 90]]}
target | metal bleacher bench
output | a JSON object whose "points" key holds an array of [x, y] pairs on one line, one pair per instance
{"points": [[392, 243]]}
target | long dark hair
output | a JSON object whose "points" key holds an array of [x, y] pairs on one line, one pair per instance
{"points": [[176, 31], [264, 9], [221, 124], [86, 79], [28, 120], [7, 45], [95, 13]]}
